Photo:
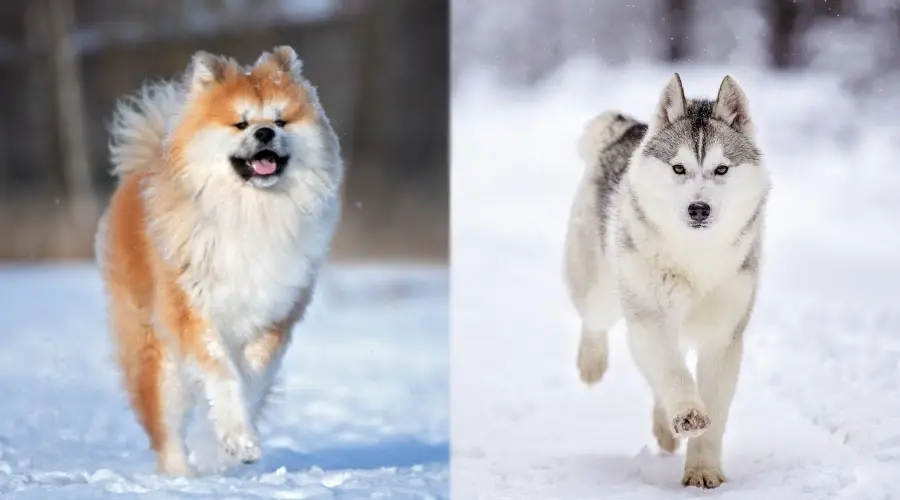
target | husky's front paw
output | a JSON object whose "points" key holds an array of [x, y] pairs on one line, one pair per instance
{"points": [[240, 445], [703, 477], [592, 361], [690, 423]]}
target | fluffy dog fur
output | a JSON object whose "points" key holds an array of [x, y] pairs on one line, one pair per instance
{"points": [[666, 230], [227, 199]]}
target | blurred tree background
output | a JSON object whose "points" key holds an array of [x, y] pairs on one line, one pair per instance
{"points": [[526, 40], [381, 67]]}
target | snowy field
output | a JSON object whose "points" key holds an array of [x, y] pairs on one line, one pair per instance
{"points": [[363, 410], [817, 410]]}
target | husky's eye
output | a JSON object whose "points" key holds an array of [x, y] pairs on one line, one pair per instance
{"points": [[241, 125], [678, 169], [280, 123], [722, 170]]}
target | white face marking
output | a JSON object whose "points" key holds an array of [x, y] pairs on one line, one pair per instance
{"points": [[736, 194], [269, 111], [700, 144], [244, 109], [668, 195], [272, 109]]}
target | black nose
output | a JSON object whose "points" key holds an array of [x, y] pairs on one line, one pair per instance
{"points": [[698, 212], [264, 135]]}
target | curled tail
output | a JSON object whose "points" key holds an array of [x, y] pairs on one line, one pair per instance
{"points": [[602, 131], [139, 126]]}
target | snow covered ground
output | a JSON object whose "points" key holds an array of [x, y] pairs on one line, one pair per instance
{"points": [[363, 412], [817, 412]]}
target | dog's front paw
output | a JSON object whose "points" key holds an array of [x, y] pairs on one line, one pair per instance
{"points": [[240, 445], [173, 464], [703, 477], [689, 423]]}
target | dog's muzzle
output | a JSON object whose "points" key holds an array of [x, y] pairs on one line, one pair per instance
{"points": [[263, 164], [698, 212]]}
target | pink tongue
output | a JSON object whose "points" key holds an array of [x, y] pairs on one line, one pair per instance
{"points": [[263, 167]]}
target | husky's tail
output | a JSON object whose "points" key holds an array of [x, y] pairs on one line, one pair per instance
{"points": [[602, 131], [139, 125]]}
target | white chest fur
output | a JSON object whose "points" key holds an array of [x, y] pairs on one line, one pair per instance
{"points": [[247, 266], [696, 263], [703, 263]]}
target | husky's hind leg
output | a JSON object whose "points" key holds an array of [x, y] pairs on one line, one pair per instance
{"points": [[593, 354], [600, 313]]}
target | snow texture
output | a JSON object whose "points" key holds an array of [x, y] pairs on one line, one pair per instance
{"points": [[362, 413], [817, 409]]}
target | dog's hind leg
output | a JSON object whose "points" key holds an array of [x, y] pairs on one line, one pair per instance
{"points": [[601, 311], [593, 354], [154, 385], [176, 402]]}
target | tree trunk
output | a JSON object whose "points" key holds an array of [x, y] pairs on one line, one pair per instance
{"points": [[404, 88], [677, 20], [71, 113], [39, 134], [833, 8], [399, 140], [783, 21]]}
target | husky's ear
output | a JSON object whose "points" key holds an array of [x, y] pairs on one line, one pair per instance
{"points": [[672, 104], [285, 59], [207, 69], [732, 107]]}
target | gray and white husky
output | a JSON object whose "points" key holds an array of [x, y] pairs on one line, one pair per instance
{"points": [[666, 230]]}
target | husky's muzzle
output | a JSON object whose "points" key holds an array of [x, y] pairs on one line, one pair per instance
{"points": [[698, 212]]}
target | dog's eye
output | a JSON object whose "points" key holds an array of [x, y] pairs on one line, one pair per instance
{"points": [[722, 170], [241, 125], [678, 169], [280, 123]]}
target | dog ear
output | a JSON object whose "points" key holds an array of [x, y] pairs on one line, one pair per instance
{"points": [[206, 69], [285, 59], [672, 104], [732, 107]]}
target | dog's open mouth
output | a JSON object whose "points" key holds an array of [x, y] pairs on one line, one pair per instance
{"points": [[263, 164]]}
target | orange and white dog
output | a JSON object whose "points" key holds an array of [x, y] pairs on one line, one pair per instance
{"points": [[228, 196]]}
